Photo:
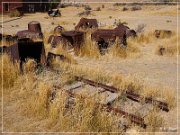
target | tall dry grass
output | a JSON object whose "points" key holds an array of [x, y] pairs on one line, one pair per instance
{"points": [[89, 47], [9, 71], [32, 98], [141, 39], [119, 81], [170, 45]]}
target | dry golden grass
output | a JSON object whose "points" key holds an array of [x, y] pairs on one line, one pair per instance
{"points": [[32, 95], [7, 43], [154, 120], [89, 47], [29, 66], [142, 39], [32, 99], [119, 81], [60, 50], [170, 45], [115, 51], [9, 71]]}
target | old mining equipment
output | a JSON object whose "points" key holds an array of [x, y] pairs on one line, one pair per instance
{"points": [[25, 48], [33, 32]]}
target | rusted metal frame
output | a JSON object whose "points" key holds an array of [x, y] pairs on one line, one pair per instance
{"points": [[133, 118], [161, 105], [138, 98], [96, 84], [128, 94]]}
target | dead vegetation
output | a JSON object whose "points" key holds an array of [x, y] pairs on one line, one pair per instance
{"points": [[168, 46], [84, 115], [31, 93]]}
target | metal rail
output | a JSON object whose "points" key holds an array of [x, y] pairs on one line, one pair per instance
{"points": [[133, 118], [136, 97], [96, 84], [129, 94]]}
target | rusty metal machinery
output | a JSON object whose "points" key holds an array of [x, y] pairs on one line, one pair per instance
{"points": [[33, 32]]}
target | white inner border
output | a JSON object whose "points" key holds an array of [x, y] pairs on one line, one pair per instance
{"points": [[98, 3]]}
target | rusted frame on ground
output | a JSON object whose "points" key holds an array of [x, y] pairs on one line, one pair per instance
{"points": [[133, 118], [129, 94]]}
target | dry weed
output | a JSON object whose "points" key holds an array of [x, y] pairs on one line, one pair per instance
{"points": [[89, 47], [169, 46], [9, 71]]}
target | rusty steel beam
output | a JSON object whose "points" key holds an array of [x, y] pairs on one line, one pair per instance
{"points": [[129, 94], [133, 118], [161, 105], [136, 97], [96, 84]]}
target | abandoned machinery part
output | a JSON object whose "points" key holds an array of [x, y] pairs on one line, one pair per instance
{"points": [[25, 48], [129, 94], [85, 23], [33, 32]]}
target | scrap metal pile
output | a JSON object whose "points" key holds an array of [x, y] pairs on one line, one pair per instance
{"points": [[25, 46]]}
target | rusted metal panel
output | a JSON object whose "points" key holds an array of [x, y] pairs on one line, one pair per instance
{"points": [[122, 28], [106, 34], [106, 37], [75, 38], [13, 51], [28, 34], [23, 50], [85, 23], [34, 26], [125, 29], [34, 31], [55, 40]]}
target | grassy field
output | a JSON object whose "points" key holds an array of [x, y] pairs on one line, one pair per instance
{"points": [[27, 105]]}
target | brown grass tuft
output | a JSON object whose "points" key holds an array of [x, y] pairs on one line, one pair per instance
{"points": [[9, 71], [170, 46], [89, 47]]}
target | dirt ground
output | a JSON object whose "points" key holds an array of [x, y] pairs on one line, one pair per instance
{"points": [[152, 69]]}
